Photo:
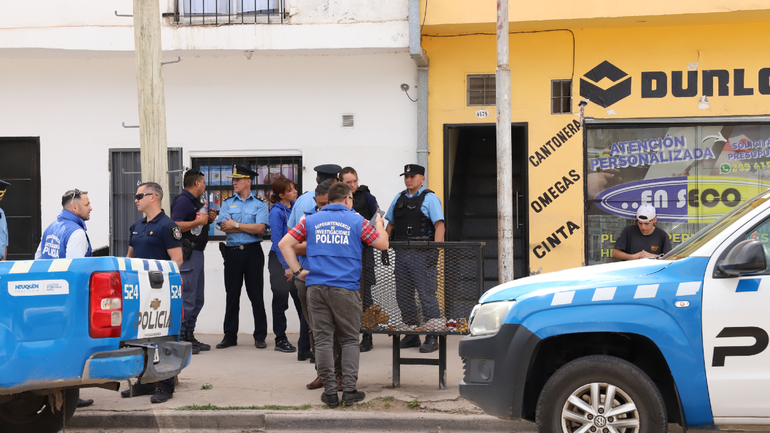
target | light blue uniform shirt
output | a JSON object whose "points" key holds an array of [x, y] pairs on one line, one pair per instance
{"points": [[431, 206], [251, 211], [304, 203], [3, 233]]}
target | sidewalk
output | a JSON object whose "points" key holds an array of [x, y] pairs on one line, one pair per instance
{"points": [[245, 376]]}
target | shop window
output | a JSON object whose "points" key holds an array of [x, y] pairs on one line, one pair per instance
{"points": [[481, 89], [561, 96], [219, 187]]}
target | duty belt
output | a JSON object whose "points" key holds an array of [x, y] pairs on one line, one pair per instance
{"points": [[243, 247]]}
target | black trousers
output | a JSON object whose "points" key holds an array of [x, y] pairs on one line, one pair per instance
{"points": [[247, 266], [282, 289]]}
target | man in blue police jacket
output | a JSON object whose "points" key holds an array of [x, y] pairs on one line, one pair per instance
{"points": [[335, 236], [66, 237], [156, 237], [244, 217]]}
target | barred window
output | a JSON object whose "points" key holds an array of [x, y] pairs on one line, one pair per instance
{"points": [[561, 96], [481, 89], [219, 187]]}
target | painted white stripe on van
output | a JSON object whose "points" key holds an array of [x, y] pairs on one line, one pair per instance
{"points": [[60, 265], [604, 294], [21, 267], [166, 267], [174, 265], [122, 264], [137, 265], [689, 288], [646, 291], [563, 298]]}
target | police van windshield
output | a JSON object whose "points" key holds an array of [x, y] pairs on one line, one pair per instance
{"points": [[707, 233]]}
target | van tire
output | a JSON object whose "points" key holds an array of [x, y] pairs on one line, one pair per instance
{"points": [[565, 403], [31, 412]]}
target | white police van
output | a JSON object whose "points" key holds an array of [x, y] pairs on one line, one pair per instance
{"points": [[631, 346]]}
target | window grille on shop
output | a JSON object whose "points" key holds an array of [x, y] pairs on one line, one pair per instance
{"points": [[481, 89], [219, 186], [223, 12], [561, 96]]}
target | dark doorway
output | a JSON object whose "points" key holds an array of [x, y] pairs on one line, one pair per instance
{"points": [[125, 176], [20, 165], [470, 178]]}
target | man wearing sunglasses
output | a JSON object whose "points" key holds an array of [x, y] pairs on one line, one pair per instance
{"points": [[189, 212], [3, 224], [66, 237], [154, 237]]}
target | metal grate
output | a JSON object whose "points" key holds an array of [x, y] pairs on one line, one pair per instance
{"points": [[561, 96], [421, 287], [223, 12], [481, 90]]}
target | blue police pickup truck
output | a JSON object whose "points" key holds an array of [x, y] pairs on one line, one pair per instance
{"points": [[631, 346], [68, 324]]}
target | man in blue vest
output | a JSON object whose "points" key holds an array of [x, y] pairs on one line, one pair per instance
{"points": [[335, 236], [416, 214], [3, 224], [66, 237], [244, 217]]}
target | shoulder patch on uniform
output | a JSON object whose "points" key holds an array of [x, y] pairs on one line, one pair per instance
{"points": [[177, 233], [261, 199]]}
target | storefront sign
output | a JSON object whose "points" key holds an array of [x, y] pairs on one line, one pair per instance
{"points": [[557, 140], [555, 239]]}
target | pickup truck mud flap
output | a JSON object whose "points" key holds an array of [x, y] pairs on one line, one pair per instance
{"points": [[164, 359]]}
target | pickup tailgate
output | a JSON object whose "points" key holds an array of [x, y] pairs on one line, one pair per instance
{"points": [[44, 321]]}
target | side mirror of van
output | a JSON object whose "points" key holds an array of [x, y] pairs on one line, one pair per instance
{"points": [[747, 257]]}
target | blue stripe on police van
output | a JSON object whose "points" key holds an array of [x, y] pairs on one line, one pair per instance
{"points": [[176, 268], [146, 264], [689, 288], [158, 266], [604, 294], [165, 266], [563, 298], [60, 265], [21, 267], [646, 291], [748, 285]]}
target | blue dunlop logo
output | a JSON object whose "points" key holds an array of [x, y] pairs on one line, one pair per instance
{"points": [[610, 95]]}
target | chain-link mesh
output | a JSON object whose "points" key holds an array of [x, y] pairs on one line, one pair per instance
{"points": [[421, 287]]}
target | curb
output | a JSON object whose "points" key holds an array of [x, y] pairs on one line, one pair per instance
{"points": [[306, 420]]}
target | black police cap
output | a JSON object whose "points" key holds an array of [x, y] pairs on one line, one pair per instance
{"points": [[241, 172], [3, 187], [327, 171], [413, 169]]}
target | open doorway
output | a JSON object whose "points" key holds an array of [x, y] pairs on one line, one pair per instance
{"points": [[20, 165], [470, 185]]}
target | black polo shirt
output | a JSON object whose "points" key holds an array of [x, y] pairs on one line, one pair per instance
{"points": [[153, 239]]}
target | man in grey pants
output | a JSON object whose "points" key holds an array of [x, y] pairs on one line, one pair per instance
{"points": [[334, 245]]}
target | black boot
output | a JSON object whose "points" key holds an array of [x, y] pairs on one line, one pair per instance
{"points": [[203, 346], [366, 343], [186, 336]]}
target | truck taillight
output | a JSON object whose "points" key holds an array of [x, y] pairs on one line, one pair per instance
{"points": [[105, 305]]}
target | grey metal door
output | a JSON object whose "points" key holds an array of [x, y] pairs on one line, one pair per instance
{"points": [[125, 175], [20, 165]]}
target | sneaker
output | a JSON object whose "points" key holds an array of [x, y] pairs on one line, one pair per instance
{"points": [[303, 356], [195, 349], [350, 397], [161, 396], [203, 346], [85, 403], [225, 343], [138, 389], [366, 343], [331, 400], [284, 346], [430, 345], [410, 341], [260, 344]]}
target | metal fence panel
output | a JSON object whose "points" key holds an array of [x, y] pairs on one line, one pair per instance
{"points": [[421, 287]]}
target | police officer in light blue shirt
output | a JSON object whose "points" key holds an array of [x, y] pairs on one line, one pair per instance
{"points": [[305, 202], [3, 224], [416, 214], [243, 217]]}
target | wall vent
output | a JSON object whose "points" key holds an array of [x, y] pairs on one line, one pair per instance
{"points": [[348, 120]]}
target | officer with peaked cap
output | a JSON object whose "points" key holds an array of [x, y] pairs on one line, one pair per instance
{"points": [[305, 202], [243, 217], [3, 224]]}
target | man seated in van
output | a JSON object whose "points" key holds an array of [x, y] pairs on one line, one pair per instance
{"points": [[642, 239]]}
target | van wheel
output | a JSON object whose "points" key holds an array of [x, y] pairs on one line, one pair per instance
{"points": [[34, 413], [600, 394]]}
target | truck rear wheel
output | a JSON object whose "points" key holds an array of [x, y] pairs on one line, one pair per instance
{"points": [[600, 394], [32, 413]]}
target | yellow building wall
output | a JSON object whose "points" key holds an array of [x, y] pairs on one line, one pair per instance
{"points": [[538, 58]]}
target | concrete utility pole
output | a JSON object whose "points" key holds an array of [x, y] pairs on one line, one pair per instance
{"points": [[152, 101], [504, 153]]}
